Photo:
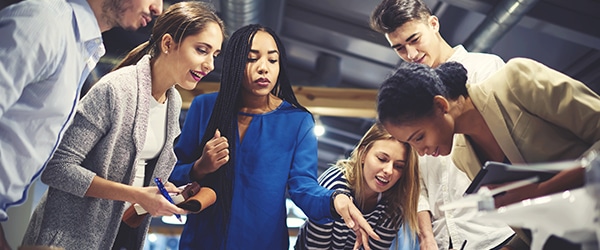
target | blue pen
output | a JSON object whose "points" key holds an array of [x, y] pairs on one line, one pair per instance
{"points": [[164, 192]]}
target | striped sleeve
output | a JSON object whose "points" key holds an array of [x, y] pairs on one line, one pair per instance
{"points": [[333, 179], [319, 236], [336, 235]]}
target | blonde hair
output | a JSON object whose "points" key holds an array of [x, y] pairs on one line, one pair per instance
{"points": [[403, 197]]}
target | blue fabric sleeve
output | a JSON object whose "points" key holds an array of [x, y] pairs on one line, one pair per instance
{"points": [[27, 48], [313, 199], [188, 146], [404, 241]]}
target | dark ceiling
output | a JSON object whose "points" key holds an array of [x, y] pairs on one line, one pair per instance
{"points": [[330, 44]]}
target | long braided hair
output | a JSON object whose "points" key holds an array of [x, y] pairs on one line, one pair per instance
{"points": [[228, 104]]}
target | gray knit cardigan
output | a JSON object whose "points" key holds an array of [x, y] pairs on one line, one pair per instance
{"points": [[105, 138]]}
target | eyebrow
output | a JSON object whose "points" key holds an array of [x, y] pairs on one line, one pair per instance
{"points": [[400, 161], [268, 52], [210, 47], [411, 136], [388, 156], [398, 45], [205, 44]]}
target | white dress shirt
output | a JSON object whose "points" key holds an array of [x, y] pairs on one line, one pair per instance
{"points": [[47, 49], [441, 183]]}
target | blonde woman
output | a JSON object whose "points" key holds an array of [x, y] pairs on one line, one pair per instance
{"points": [[382, 178]]}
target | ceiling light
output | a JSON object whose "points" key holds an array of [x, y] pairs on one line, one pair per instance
{"points": [[319, 128]]}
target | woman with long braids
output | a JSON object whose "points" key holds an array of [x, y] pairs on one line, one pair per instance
{"points": [[250, 142], [122, 137]]}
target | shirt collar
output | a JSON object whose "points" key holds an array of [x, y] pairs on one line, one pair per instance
{"points": [[459, 54], [85, 24]]}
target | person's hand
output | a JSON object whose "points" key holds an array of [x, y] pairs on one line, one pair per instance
{"points": [[355, 221], [171, 188], [152, 201], [429, 244], [425, 234], [359, 240], [515, 195], [214, 155]]}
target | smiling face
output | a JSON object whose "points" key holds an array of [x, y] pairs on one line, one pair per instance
{"points": [[417, 41], [194, 57], [430, 135], [130, 14], [262, 67], [383, 164]]}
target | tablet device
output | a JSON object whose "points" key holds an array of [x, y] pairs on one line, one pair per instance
{"points": [[499, 173]]}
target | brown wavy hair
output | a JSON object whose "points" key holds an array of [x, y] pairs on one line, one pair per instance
{"points": [[180, 20]]}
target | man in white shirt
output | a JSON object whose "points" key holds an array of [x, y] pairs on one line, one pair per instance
{"points": [[48, 48]]}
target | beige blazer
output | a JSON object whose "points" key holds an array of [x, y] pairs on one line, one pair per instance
{"points": [[536, 114]]}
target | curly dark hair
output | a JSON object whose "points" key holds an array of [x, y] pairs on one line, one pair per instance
{"points": [[408, 93]]}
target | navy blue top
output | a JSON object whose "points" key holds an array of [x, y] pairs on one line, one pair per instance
{"points": [[279, 150]]}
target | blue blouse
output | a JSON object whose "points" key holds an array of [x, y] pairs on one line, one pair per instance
{"points": [[279, 151]]}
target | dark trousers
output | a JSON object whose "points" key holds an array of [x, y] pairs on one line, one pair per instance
{"points": [[128, 238]]}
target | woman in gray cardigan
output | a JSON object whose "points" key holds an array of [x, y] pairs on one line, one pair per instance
{"points": [[122, 136]]}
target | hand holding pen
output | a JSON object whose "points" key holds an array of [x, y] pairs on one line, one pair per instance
{"points": [[165, 194]]}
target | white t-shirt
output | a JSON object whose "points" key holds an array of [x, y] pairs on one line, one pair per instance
{"points": [[155, 139]]}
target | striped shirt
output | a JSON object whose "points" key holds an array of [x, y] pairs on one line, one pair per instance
{"points": [[335, 234]]}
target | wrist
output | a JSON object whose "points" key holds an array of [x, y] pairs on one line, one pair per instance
{"points": [[132, 194], [332, 209], [197, 172]]}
